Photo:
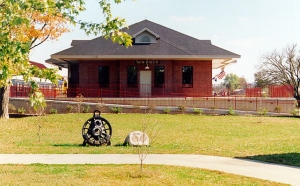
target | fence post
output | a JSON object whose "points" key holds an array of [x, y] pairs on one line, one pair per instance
{"points": [[256, 104], [215, 102], [234, 102], [101, 95]]}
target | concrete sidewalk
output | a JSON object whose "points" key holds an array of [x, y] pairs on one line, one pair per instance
{"points": [[266, 171]]}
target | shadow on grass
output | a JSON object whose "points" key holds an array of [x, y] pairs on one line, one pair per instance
{"points": [[120, 145], [20, 115], [291, 159], [81, 145], [293, 116], [68, 145]]}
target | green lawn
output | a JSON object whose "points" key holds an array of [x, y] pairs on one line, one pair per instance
{"points": [[153, 175], [274, 139], [270, 139]]}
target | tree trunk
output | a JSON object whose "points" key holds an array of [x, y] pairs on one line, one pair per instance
{"points": [[298, 100], [297, 95], [4, 100]]}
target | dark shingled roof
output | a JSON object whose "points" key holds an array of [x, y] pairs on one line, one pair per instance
{"points": [[170, 42], [77, 42]]}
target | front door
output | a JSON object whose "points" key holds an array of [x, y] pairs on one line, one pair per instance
{"points": [[145, 83]]}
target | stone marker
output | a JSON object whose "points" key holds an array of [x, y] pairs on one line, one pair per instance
{"points": [[137, 138]]}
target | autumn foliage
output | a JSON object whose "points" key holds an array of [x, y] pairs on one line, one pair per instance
{"points": [[25, 24], [42, 27]]}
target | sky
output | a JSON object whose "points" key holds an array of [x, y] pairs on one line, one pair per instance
{"points": [[250, 28]]}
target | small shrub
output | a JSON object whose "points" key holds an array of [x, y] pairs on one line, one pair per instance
{"points": [[11, 108], [167, 111], [116, 110], [277, 109], [263, 111], [137, 108], [86, 109], [231, 111], [21, 110], [69, 108], [294, 112], [182, 108], [79, 100], [198, 111], [53, 111], [100, 107], [151, 108]]}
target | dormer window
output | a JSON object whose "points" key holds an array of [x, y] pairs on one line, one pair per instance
{"points": [[145, 39], [145, 36]]}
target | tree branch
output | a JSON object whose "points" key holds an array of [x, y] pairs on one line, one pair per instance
{"points": [[31, 47]]}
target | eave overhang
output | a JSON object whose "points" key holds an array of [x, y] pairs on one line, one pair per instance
{"points": [[218, 61]]}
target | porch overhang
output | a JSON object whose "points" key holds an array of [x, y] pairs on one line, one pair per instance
{"points": [[217, 61]]}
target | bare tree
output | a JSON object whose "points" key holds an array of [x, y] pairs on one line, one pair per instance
{"points": [[282, 68], [142, 149]]}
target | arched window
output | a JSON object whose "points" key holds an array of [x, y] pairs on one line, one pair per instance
{"points": [[145, 39]]}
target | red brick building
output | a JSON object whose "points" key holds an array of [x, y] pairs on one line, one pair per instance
{"points": [[161, 62]]}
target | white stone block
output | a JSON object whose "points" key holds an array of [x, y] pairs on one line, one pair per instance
{"points": [[137, 138]]}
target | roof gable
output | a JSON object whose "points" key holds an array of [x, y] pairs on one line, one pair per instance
{"points": [[146, 30], [144, 34]]}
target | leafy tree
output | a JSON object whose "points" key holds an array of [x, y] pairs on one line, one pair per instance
{"points": [[242, 82], [26, 24], [282, 68], [232, 81], [261, 79], [44, 26]]}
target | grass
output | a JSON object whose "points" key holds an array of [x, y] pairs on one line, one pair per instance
{"points": [[38, 174], [230, 136], [269, 139]]}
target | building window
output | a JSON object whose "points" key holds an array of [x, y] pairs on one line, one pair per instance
{"points": [[103, 76], [187, 76], [145, 39], [159, 76], [132, 76]]}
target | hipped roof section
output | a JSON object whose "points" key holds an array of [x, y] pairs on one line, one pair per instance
{"points": [[170, 45]]}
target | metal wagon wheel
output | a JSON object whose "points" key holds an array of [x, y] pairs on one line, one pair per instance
{"points": [[96, 131]]}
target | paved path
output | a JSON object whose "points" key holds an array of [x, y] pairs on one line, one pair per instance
{"points": [[266, 171]]}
